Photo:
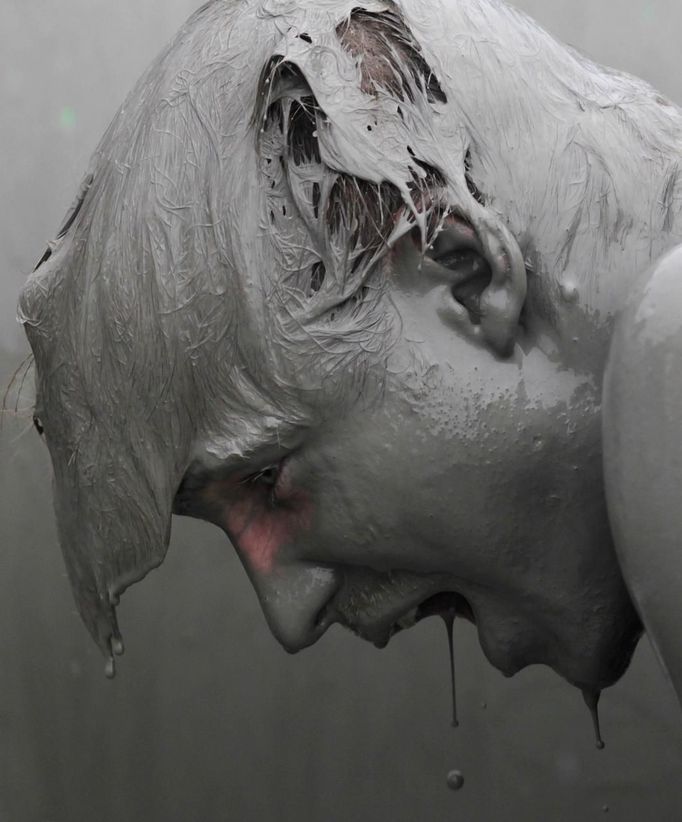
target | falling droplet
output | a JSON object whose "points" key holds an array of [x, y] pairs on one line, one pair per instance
{"points": [[449, 620], [117, 646], [592, 701], [110, 668], [605, 808], [455, 780]]}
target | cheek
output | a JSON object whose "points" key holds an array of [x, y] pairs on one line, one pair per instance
{"points": [[259, 530]]}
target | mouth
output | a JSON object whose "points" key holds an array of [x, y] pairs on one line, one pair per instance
{"points": [[379, 624], [445, 604]]}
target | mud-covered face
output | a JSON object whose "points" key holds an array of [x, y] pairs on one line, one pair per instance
{"points": [[466, 473]]}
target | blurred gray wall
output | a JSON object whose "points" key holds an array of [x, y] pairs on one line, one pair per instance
{"points": [[209, 720]]}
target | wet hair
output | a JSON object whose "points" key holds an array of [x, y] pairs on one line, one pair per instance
{"points": [[330, 227], [225, 267]]}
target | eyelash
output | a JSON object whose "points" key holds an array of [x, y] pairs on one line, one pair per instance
{"points": [[268, 478]]}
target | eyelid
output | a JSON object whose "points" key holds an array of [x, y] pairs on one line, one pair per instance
{"points": [[258, 476]]}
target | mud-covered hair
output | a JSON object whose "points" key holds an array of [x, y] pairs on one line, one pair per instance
{"points": [[330, 227]]}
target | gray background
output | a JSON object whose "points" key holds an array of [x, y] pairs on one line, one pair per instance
{"points": [[209, 720]]}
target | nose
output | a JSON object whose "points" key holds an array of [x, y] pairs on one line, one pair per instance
{"points": [[294, 599]]}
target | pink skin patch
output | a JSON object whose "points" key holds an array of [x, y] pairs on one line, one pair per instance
{"points": [[259, 527]]}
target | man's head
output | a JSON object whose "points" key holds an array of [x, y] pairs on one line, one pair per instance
{"points": [[333, 286]]}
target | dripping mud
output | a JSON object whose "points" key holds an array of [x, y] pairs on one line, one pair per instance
{"points": [[446, 605], [592, 701], [449, 620]]}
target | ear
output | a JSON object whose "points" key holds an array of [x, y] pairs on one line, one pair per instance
{"points": [[503, 299], [484, 269]]}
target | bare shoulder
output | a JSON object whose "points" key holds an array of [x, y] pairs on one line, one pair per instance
{"points": [[642, 433]]}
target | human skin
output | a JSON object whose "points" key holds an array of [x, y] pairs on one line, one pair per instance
{"points": [[643, 452], [425, 418]]}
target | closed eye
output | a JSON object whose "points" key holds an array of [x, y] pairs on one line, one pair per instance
{"points": [[266, 476], [198, 491]]}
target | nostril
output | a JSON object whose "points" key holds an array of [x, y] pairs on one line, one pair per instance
{"points": [[324, 617], [320, 617]]}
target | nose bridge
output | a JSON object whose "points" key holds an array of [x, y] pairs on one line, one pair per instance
{"points": [[294, 596]]}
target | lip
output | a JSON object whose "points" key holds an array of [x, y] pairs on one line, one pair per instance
{"points": [[394, 617]]}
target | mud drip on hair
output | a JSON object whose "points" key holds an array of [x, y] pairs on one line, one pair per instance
{"points": [[117, 649]]}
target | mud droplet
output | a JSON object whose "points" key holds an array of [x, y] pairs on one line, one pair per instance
{"points": [[455, 780], [110, 668], [605, 808], [117, 646], [449, 620], [592, 701], [569, 291]]}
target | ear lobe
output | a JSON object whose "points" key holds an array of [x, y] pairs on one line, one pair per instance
{"points": [[503, 299]]}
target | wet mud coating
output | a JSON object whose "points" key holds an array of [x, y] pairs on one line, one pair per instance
{"points": [[342, 281]]}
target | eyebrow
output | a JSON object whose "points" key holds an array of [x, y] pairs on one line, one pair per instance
{"points": [[264, 449], [199, 474]]}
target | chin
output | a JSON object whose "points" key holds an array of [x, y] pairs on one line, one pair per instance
{"points": [[602, 664], [591, 655]]}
